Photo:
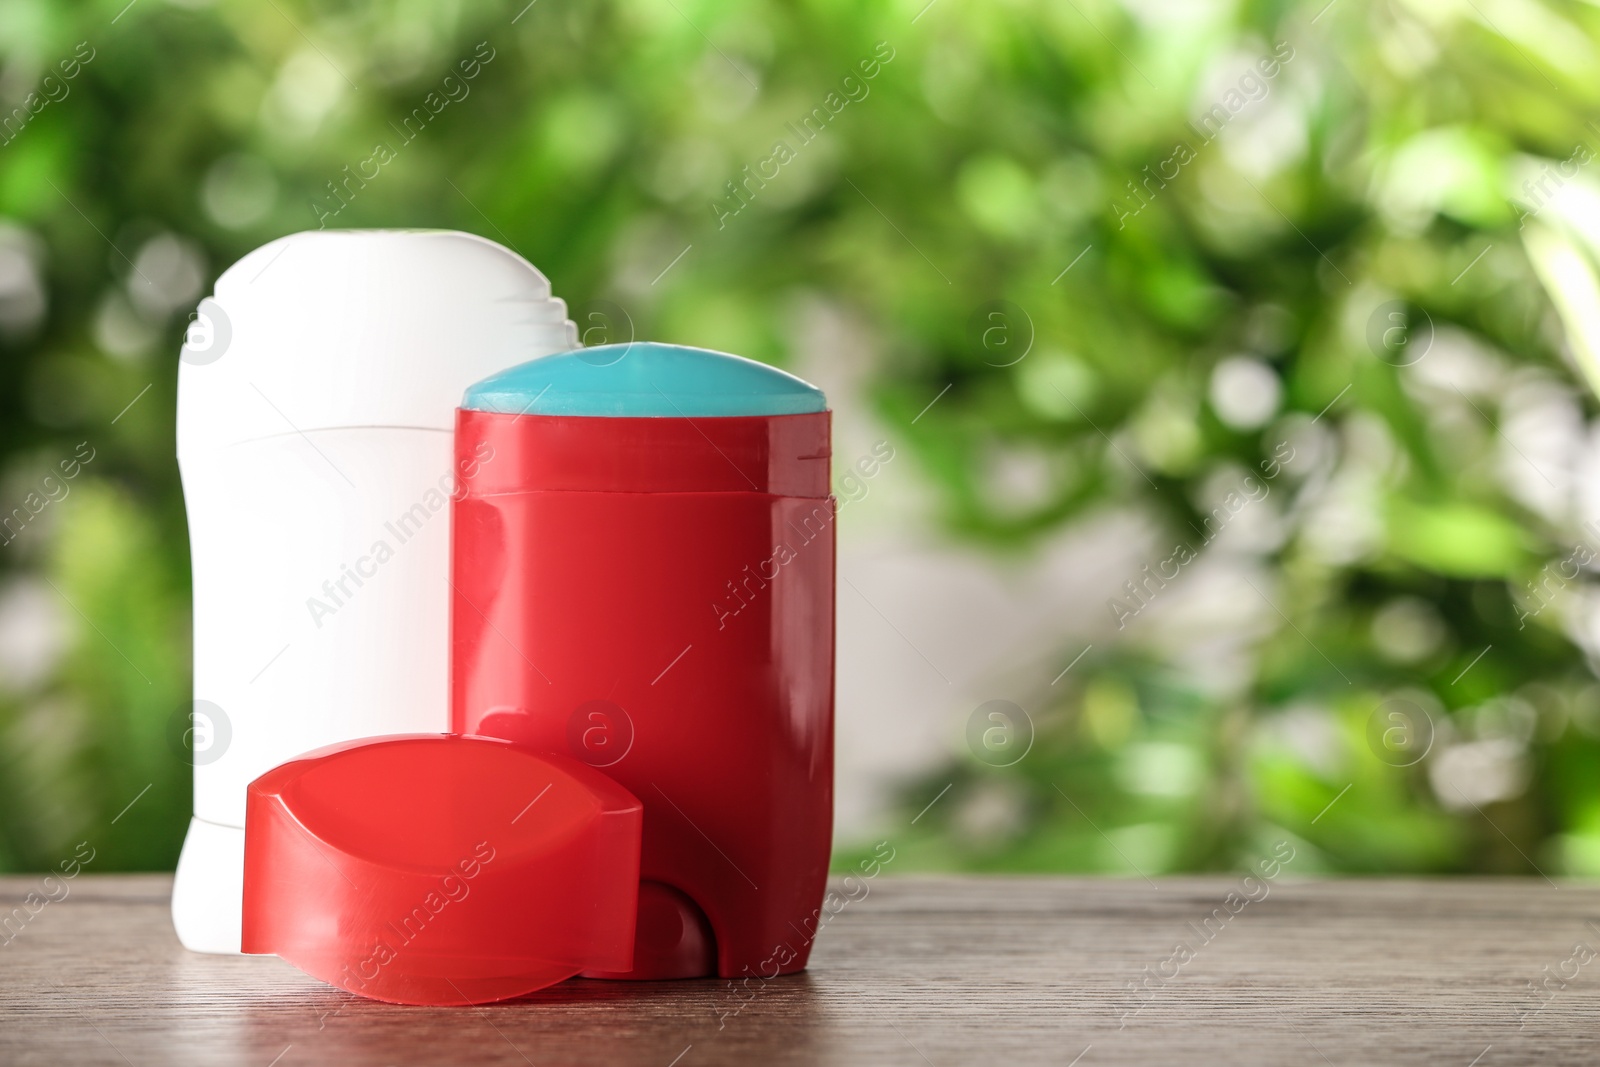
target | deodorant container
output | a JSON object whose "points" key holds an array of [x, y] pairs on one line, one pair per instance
{"points": [[316, 401], [643, 579]]}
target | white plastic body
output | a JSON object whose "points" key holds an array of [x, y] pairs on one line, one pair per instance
{"points": [[317, 463]]}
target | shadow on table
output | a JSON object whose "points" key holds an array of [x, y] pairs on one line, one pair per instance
{"points": [[647, 1023]]}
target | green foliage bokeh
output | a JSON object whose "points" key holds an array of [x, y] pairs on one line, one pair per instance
{"points": [[1386, 189]]}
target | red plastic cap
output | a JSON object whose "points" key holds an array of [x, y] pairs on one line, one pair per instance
{"points": [[429, 869]]}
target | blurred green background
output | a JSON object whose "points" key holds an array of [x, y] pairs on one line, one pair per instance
{"points": [[1337, 260]]}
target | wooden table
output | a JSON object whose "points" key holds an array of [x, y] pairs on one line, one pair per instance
{"points": [[918, 971]]}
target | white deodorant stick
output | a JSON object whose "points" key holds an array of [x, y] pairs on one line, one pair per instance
{"points": [[316, 403]]}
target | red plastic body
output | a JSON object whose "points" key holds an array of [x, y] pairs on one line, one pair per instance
{"points": [[655, 596], [431, 869]]}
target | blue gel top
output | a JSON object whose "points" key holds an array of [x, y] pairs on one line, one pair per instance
{"points": [[643, 379]]}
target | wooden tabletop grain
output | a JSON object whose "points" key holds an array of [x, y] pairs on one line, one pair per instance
{"points": [[911, 971]]}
